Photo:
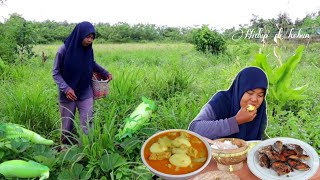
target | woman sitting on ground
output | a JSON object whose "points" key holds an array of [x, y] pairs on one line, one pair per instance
{"points": [[239, 112]]}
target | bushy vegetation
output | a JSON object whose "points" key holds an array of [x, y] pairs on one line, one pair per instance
{"points": [[209, 41], [178, 78]]}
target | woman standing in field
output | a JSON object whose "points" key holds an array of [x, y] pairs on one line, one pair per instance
{"points": [[72, 71], [239, 112]]}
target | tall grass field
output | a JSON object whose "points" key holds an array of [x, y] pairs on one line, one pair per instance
{"points": [[175, 76]]}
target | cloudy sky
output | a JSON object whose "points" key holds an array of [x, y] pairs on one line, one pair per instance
{"points": [[216, 13]]}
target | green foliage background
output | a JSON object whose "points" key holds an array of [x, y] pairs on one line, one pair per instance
{"points": [[159, 63], [178, 78]]}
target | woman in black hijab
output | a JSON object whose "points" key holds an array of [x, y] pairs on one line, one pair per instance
{"points": [[73, 69], [229, 114]]}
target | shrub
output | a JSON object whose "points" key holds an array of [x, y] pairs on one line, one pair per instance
{"points": [[207, 40], [16, 39]]}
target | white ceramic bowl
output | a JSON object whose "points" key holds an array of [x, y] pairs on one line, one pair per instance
{"points": [[182, 176]]}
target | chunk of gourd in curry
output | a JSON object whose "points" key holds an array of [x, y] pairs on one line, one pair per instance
{"points": [[177, 142], [158, 148], [179, 150], [193, 152], [165, 142], [180, 160]]}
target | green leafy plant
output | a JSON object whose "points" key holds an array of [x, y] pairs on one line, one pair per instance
{"points": [[76, 172], [206, 40], [16, 38], [280, 78], [110, 162]]}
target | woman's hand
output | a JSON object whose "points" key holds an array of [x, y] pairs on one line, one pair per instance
{"points": [[71, 95], [109, 77], [244, 116]]}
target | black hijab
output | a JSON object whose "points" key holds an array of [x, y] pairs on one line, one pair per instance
{"points": [[78, 59], [226, 104]]}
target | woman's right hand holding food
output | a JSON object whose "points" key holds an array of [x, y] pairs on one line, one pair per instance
{"points": [[246, 114]]}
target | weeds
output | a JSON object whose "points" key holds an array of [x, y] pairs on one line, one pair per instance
{"points": [[179, 80]]}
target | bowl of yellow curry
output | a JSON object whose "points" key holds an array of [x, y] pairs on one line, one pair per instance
{"points": [[176, 154]]}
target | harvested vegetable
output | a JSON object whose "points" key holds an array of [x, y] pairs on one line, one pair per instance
{"points": [[14, 131], [138, 118], [180, 160], [177, 142], [158, 148], [251, 107], [179, 150], [165, 141], [24, 169]]}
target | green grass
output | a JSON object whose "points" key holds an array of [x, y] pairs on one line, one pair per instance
{"points": [[175, 75], [179, 79]]}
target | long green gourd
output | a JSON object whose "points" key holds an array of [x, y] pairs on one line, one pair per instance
{"points": [[138, 118], [24, 169], [12, 131]]}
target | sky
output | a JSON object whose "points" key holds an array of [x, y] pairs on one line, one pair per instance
{"points": [[219, 14]]}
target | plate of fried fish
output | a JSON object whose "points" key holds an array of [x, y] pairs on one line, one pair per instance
{"points": [[283, 158]]}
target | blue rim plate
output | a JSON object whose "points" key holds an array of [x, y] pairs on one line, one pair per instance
{"points": [[270, 174]]}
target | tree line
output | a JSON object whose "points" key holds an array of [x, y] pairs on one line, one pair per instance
{"points": [[50, 31], [17, 35]]}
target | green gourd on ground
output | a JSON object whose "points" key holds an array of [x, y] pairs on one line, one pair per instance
{"points": [[14, 131], [138, 118], [24, 169]]}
